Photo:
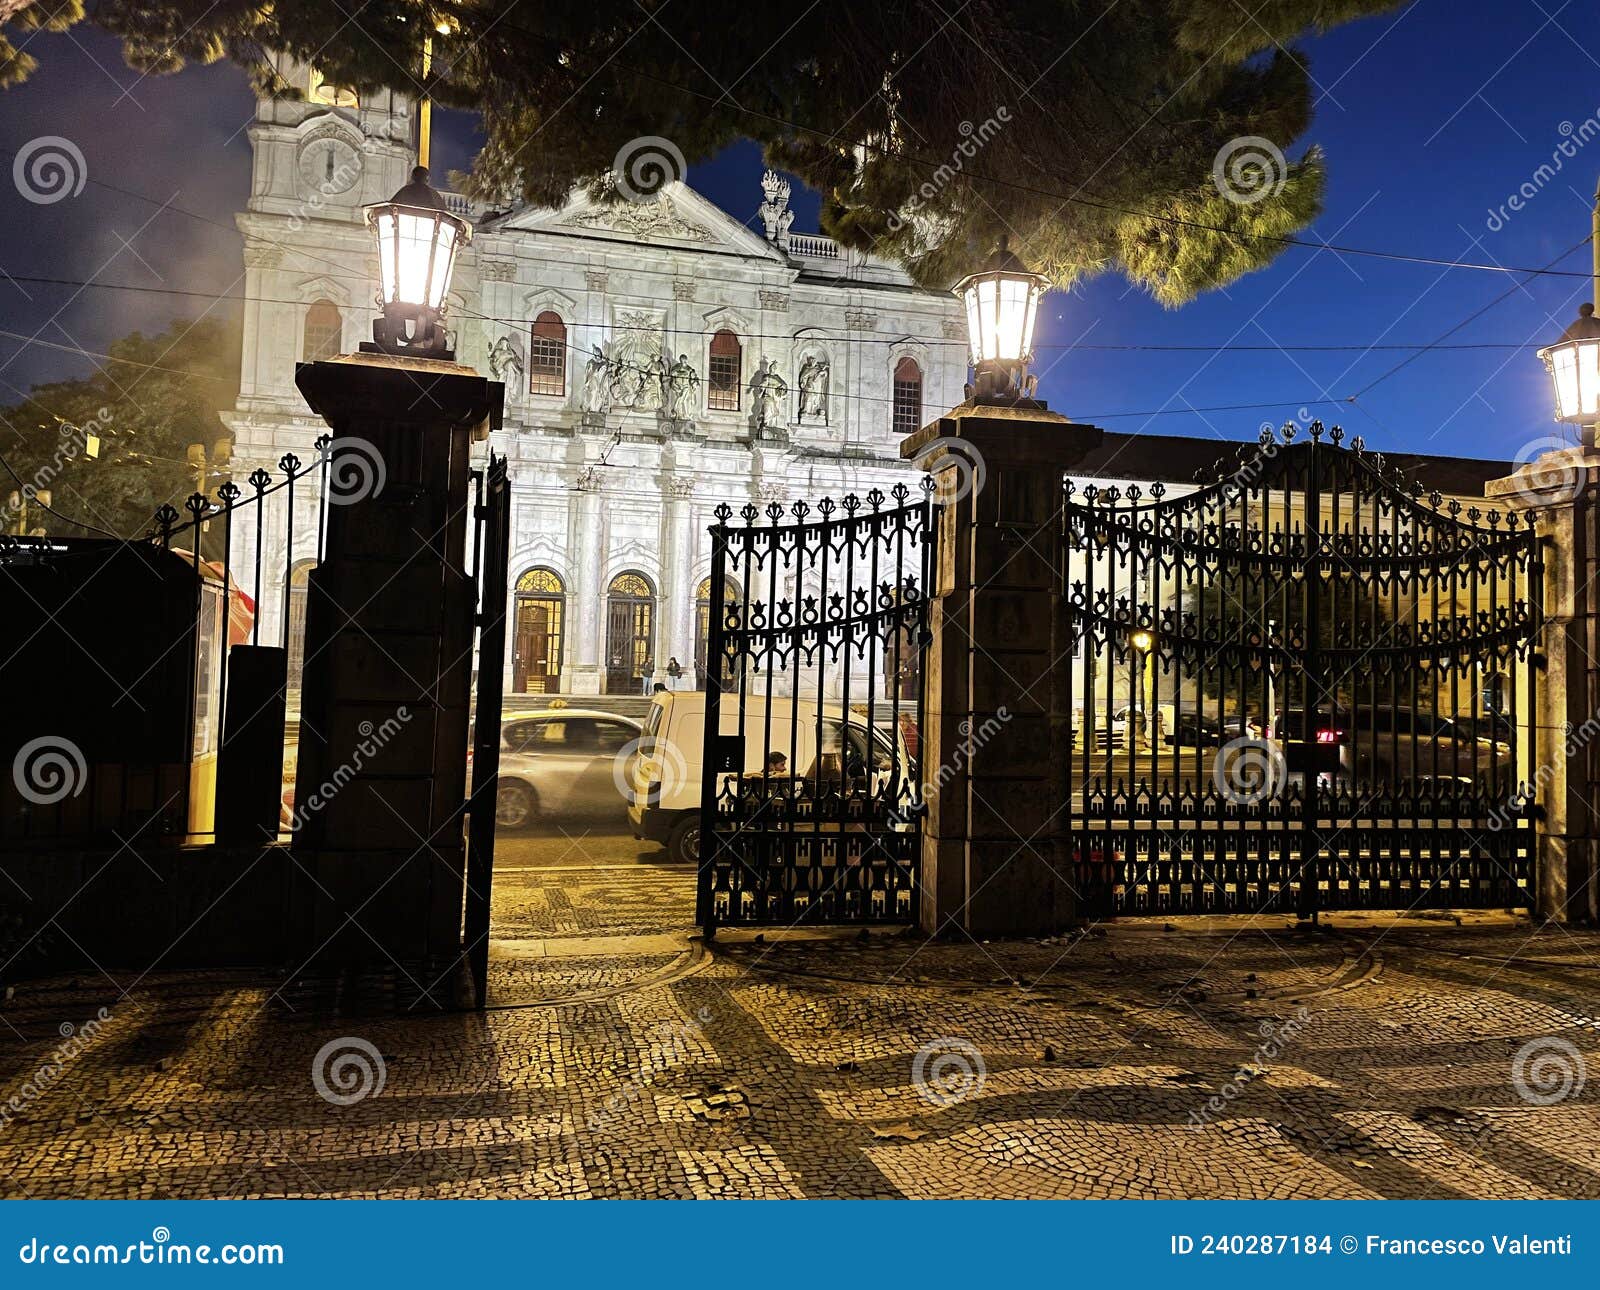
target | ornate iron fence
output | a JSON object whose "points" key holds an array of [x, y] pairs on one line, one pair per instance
{"points": [[811, 805], [1304, 686]]}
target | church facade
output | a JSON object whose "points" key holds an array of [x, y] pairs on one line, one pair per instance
{"points": [[659, 358]]}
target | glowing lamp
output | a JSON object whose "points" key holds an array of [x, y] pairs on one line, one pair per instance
{"points": [[417, 240], [1574, 366], [1002, 302]]}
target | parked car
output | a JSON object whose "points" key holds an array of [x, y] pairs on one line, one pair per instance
{"points": [[1383, 744], [1183, 727], [664, 781], [562, 762]]}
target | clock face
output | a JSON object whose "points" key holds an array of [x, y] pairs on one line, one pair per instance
{"points": [[329, 166]]}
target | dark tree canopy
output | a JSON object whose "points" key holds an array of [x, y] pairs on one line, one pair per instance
{"points": [[1087, 129], [158, 396]]}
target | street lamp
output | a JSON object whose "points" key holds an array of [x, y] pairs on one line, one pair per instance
{"points": [[1142, 643], [1002, 301], [1574, 366], [417, 243]]}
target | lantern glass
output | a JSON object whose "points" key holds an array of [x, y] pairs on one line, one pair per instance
{"points": [[416, 253], [1001, 309], [1575, 370]]}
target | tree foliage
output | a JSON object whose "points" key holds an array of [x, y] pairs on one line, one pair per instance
{"points": [[145, 418], [1086, 129]]}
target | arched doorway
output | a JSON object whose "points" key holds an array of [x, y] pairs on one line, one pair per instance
{"points": [[702, 627], [294, 637], [537, 641], [630, 633]]}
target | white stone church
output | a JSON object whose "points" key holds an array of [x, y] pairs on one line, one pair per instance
{"points": [[659, 358]]}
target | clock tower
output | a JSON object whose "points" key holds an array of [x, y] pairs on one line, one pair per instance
{"points": [[325, 155], [309, 265]]}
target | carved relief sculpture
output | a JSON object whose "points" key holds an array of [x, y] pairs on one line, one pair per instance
{"points": [[683, 390], [506, 357], [596, 381], [775, 212], [814, 375], [767, 392]]}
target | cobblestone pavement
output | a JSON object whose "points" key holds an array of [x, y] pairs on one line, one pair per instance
{"points": [[1365, 1058]]}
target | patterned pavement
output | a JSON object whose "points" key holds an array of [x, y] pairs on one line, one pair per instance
{"points": [[1372, 1058]]}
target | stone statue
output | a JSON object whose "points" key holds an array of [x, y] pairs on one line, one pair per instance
{"points": [[596, 381], [814, 373], [775, 212], [505, 357], [767, 391], [683, 384]]}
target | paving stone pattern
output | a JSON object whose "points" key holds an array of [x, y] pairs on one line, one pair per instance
{"points": [[1394, 1059]]}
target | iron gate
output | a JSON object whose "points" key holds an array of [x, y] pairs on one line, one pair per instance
{"points": [[1304, 686], [810, 802]]}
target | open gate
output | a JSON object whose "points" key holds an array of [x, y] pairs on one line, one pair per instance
{"points": [[1304, 686], [811, 804]]}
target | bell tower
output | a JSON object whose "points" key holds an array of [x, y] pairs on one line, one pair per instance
{"points": [[326, 155]]}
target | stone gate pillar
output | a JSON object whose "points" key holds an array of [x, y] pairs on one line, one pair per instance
{"points": [[1562, 490], [997, 726], [381, 777]]}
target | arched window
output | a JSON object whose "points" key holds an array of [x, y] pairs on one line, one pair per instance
{"points": [[725, 375], [536, 650], [630, 633], [703, 609], [324, 331], [547, 355], [320, 91], [907, 396]]}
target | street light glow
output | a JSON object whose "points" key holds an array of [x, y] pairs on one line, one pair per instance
{"points": [[417, 241], [1574, 366], [1002, 303]]}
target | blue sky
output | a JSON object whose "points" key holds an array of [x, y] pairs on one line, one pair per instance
{"points": [[1431, 118]]}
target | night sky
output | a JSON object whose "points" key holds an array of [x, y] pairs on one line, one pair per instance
{"points": [[1431, 119]]}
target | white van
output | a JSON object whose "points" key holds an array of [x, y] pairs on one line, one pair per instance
{"points": [[664, 779]]}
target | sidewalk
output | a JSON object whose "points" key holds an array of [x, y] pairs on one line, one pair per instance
{"points": [[1377, 1058]]}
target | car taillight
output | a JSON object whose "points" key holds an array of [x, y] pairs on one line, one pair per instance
{"points": [[1330, 736]]}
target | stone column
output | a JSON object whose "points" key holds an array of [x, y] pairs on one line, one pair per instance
{"points": [[381, 779], [996, 734], [677, 579], [1562, 490], [585, 674]]}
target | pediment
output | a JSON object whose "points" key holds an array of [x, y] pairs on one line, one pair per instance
{"points": [[679, 216]]}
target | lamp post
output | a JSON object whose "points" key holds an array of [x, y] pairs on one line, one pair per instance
{"points": [[395, 568], [1002, 302], [1142, 642], [417, 240]]}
